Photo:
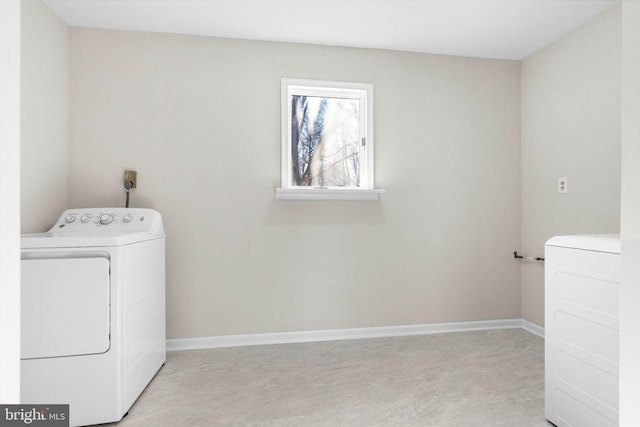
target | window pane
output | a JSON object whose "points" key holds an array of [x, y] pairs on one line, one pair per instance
{"points": [[325, 141]]}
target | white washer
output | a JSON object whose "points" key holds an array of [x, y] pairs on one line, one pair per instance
{"points": [[93, 311], [582, 284]]}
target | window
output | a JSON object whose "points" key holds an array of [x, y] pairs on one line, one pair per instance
{"points": [[327, 141]]}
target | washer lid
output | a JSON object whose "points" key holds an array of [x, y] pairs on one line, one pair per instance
{"points": [[591, 242], [98, 227]]}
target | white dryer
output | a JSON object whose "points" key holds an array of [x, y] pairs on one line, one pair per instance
{"points": [[93, 311]]}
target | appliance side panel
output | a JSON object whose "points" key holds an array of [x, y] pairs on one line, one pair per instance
{"points": [[143, 311], [581, 337]]}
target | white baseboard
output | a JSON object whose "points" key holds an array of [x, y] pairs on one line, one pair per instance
{"points": [[347, 334], [533, 328]]}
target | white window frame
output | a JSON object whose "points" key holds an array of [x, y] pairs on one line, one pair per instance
{"points": [[361, 91]]}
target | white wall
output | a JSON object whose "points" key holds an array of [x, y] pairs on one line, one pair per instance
{"points": [[570, 127], [199, 120], [630, 122], [44, 116], [10, 202], [630, 290], [34, 160]]}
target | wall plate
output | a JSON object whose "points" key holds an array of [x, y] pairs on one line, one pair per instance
{"points": [[131, 176], [563, 185]]}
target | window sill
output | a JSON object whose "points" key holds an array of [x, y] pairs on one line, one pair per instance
{"points": [[327, 194]]}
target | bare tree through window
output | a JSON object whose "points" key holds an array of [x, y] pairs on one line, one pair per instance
{"points": [[325, 141]]}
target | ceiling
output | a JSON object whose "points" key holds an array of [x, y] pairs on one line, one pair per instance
{"points": [[504, 29]]}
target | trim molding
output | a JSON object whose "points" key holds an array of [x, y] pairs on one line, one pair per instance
{"points": [[328, 194], [348, 334], [533, 328]]}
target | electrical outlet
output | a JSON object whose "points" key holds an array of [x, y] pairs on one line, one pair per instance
{"points": [[131, 176], [563, 185]]}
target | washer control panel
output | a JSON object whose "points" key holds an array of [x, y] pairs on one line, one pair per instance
{"points": [[116, 220]]}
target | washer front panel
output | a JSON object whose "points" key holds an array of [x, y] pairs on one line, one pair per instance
{"points": [[65, 306]]}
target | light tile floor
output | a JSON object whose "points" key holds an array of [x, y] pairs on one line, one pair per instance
{"points": [[485, 378]]}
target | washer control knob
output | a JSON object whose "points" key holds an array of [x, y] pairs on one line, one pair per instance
{"points": [[85, 218], [106, 219], [127, 218], [69, 219]]}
